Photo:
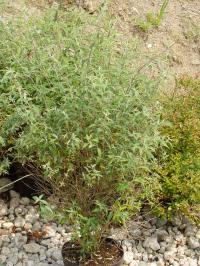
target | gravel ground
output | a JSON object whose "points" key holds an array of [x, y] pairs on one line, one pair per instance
{"points": [[149, 241]]}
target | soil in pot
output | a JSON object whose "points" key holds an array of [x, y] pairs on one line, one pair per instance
{"points": [[110, 253]]}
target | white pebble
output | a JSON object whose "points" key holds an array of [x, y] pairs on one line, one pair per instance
{"points": [[50, 231], [193, 242], [2, 258], [7, 225], [128, 257], [9, 263], [5, 251], [32, 248]]}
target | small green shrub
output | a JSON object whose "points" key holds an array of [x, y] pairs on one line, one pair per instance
{"points": [[72, 105], [179, 171], [153, 20]]}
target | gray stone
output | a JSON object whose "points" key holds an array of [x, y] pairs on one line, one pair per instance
{"points": [[142, 263], [188, 252], [162, 250], [42, 257], [140, 248], [32, 248], [9, 263], [19, 210], [34, 257], [134, 263], [137, 255], [151, 242], [193, 262], [5, 239], [190, 230], [145, 256], [169, 255], [11, 212], [3, 208], [127, 245], [14, 202], [19, 264], [5, 251], [198, 234], [193, 242], [161, 223], [169, 239], [14, 194], [171, 247], [161, 262], [180, 239], [2, 258], [25, 201], [183, 262], [153, 220], [20, 255], [28, 226], [30, 263], [19, 222], [20, 240], [13, 258], [36, 226], [135, 232], [46, 243], [31, 218], [177, 221], [161, 235], [56, 255]]}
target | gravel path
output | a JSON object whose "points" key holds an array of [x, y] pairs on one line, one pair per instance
{"points": [[150, 241]]}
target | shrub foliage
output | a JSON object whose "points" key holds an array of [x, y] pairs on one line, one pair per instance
{"points": [[179, 171], [71, 105]]}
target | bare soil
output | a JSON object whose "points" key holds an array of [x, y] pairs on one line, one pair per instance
{"points": [[176, 41], [178, 36], [109, 254]]}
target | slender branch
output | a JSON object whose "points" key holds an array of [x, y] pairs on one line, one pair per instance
{"points": [[11, 183]]}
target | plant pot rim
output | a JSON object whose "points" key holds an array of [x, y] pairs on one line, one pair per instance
{"points": [[76, 247]]}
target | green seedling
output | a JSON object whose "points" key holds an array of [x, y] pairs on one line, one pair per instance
{"points": [[153, 20], [46, 211]]}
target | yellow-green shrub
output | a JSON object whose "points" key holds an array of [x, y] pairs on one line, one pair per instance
{"points": [[179, 170]]}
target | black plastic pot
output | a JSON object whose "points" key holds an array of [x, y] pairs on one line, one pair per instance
{"points": [[72, 251]]}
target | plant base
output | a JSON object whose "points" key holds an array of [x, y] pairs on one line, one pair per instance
{"points": [[110, 253]]}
